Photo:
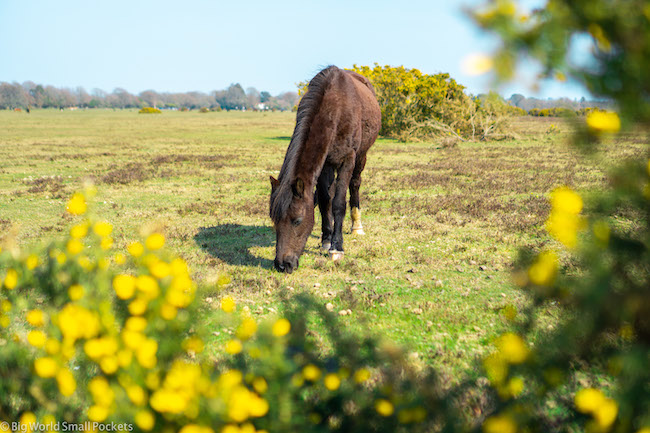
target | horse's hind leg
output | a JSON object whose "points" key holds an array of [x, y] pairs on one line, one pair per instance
{"points": [[343, 176], [324, 197], [355, 183]]}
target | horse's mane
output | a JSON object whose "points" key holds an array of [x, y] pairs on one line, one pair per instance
{"points": [[307, 109]]}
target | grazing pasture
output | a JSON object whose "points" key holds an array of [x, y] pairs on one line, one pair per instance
{"points": [[443, 224]]}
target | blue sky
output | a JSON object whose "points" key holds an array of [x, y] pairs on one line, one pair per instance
{"points": [[206, 45]]}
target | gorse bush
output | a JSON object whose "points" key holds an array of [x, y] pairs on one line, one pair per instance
{"points": [[417, 106], [149, 110]]}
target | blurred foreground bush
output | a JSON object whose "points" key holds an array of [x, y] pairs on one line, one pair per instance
{"points": [[88, 333], [591, 373]]}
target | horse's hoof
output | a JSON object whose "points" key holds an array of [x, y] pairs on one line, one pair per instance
{"points": [[358, 231], [326, 246], [336, 255]]}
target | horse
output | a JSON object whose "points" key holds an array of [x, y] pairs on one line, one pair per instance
{"points": [[338, 120]]}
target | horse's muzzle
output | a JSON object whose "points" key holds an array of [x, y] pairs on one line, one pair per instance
{"points": [[288, 265]]}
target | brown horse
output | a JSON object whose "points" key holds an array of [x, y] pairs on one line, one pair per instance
{"points": [[338, 120]]}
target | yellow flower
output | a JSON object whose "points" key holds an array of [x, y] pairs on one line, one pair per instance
{"points": [[124, 357], [109, 364], [148, 286], [384, 407], [138, 306], [361, 375], [311, 372], [46, 367], [154, 241], [11, 279], [97, 413], [228, 304], [106, 243], [27, 419], [102, 393], [234, 347], [477, 64], [124, 286], [97, 348], [168, 311], [165, 400], [515, 386], [77, 322], [247, 329], [603, 122], [35, 318], [5, 306], [145, 420], [32, 261], [589, 399], [512, 348], [103, 228], [74, 246], [136, 394], [119, 258], [260, 385], [52, 346], [564, 199], [66, 382], [36, 338], [77, 204], [135, 249], [79, 231], [499, 424], [145, 353], [332, 382], [137, 324], [281, 327], [544, 270], [75, 292], [606, 413]]}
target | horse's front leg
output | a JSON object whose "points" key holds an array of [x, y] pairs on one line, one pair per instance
{"points": [[339, 202], [324, 197]]}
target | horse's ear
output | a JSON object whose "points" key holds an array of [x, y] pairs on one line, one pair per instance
{"points": [[298, 188], [274, 183]]}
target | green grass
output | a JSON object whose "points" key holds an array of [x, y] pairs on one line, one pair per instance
{"points": [[443, 224]]}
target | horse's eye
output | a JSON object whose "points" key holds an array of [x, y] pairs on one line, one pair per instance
{"points": [[296, 222]]}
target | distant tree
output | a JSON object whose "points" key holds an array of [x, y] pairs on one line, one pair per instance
{"points": [[265, 96], [83, 98], [253, 97], [12, 95], [150, 98], [234, 98]]}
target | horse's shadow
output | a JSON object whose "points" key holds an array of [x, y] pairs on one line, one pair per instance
{"points": [[231, 243]]}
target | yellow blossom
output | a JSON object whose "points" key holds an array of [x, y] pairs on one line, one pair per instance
{"points": [[544, 270], [76, 322], [168, 311], [606, 413], [46, 367], [74, 246], [52, 346], [97, 413], [137, 324], [564, 199], [145, 420], [234, 347], [384, 407], [247, 328], [361, 375], [103, 228], [109, 364], [102, 393], [332, 381], [97, 348], [79, 231], [228, 304], [77, 204], [167, 401], [35, 318], [36, 338], [311, 372], [587, 400], [160, 269], [496, 368], [27, 420], [124, 357], [31, 262], [136, 394], [154, 241], [477, 64], [281, 327], [11, 279], [499, 424], [512, 348], [66, 382], [5, 306], [138, 306], [106, 243], [75, 292], [603, 122], [148, 286], [260, 385], [119, 258], [135, 249], [515, 386], [145, 353]]}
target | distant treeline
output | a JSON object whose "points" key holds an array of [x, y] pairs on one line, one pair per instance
{"points": [[534, 106], [32, 95]]}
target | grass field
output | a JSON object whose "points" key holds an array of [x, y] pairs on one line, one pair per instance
{"points": [[443, 224]]}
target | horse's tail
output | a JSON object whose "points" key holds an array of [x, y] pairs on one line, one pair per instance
{"points": [[307, 109]]}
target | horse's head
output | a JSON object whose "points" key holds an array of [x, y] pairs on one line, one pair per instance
{"points": [[292, 212]]}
